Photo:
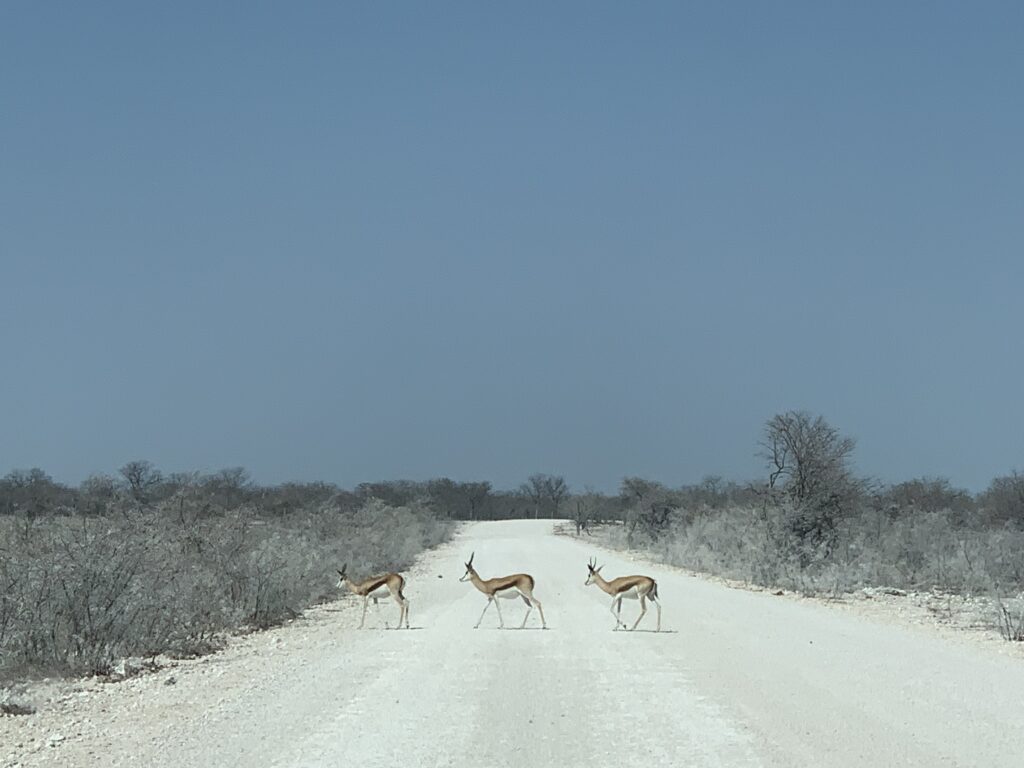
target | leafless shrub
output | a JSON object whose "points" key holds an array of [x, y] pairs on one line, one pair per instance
{"points": [[946, 607], [923, 551], [78, 593], [1010, 618]]}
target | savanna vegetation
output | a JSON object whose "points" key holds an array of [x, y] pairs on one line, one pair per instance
{"points": [[811, 524], [143, 563]]}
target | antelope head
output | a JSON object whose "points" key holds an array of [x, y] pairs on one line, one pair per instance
{"points": [[470, 573], [594, 571], [342, 578]]}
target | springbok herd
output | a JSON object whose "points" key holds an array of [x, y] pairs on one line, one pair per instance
{"points": [[642, 588]]}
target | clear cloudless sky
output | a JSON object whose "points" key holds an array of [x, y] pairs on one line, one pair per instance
{"points": [[359, 241]]}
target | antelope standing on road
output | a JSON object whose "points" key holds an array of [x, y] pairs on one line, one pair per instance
{"points": [[643, 588], [378, 587], [507, 588]]}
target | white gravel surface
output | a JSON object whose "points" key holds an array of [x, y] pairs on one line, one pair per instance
{"points": [[739, 679]]}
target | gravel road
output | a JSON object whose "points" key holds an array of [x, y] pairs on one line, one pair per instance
{"points": [[738, 679]]}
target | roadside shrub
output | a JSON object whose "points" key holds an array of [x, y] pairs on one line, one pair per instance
{"points": [[77, 593], [1009, 618], [921, 551]]}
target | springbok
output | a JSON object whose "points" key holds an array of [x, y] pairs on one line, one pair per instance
{"points": [[507, 588], [629, 587], [377, 587]]}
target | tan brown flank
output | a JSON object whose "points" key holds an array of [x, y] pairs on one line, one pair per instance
{"points": [[395, 583], [646, 589], [523, 583]]}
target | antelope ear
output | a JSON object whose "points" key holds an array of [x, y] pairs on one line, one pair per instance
{"points": [[339, 572], [598, 569]]}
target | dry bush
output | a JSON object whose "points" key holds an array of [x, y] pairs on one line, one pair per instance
{"points": [[1009, 618], [922, 551], [78, 593]]}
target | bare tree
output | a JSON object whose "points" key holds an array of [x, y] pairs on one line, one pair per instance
{"points": [[556, 490], [534, 489], [461, 501], [541, 489], [477, 496], [809, 467], [230, 487], [96, 494], [928, 494], [510, 505], [591, 507], [142, 478], [32, 493], [1003, 501], [649, 505]]}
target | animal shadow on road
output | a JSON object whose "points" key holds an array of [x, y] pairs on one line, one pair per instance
{"points": [[518, 629], [650, 631]]}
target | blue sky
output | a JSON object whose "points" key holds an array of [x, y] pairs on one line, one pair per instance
{"points": [[351, 241]]}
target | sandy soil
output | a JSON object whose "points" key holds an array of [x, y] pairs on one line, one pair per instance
{"points": [[739, 679]]}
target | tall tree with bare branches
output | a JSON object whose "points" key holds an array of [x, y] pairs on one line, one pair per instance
{"points": [[809, 469]]}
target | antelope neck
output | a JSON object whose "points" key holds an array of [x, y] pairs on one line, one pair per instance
{"points": [[604, 585], [477, 582]]}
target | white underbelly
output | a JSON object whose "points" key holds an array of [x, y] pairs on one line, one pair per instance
{"points": [[629, 594], [380, 592], [508, 594]]}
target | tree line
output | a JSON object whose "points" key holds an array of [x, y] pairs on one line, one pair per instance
{"points": [[140, 485], [808, 470]]}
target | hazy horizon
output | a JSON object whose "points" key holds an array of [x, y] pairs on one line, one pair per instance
{"points": [[358, 243]]}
